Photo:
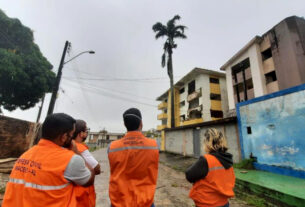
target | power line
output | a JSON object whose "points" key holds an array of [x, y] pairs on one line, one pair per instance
{"points": [[80, 83], [117, 91], [120, 79], [110, 95]]}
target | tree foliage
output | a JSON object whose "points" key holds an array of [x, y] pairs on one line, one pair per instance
{"points": [[171, 31], [25, 74]]}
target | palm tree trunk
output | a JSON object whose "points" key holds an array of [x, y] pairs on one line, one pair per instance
{"points": [[171, 77]]}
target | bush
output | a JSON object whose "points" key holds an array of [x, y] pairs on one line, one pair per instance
{"points": [[245, 164]]}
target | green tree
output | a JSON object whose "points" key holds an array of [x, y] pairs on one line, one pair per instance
{"points": [[171, 31], [25, 74]]}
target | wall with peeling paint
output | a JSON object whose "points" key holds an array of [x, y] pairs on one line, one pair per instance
{"points": [[180, 141], [272, 128]]}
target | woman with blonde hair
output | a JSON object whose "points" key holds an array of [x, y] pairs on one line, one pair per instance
{"points": [[212, 174]]}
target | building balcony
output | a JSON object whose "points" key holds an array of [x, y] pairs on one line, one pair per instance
{"points": [[162, 105], [272, 87], [216, 105], [268, 65], [239, 76], [194, 95], [162, 116], [197, 108], [161, 127], [192, 121]]}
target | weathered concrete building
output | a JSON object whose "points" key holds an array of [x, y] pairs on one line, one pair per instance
{"points": [[102, 138], [268, 63], [200, 96]]}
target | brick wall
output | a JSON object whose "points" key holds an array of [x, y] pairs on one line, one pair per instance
{"points": [[16, 136]]}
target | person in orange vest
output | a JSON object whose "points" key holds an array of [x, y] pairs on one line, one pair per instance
{"points": [[45, 175], [212, 175], [133, 165], [85, 196]]}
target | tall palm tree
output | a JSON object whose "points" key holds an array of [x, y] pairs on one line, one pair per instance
{"points": [[171, 31]]}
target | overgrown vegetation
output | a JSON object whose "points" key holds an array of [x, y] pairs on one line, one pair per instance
{"points": [[252, 200], [92, 149], [25, 74], [2, 190], [245, 164]]}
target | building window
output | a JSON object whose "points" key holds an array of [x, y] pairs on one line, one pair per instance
{"points": [[181, 90], [266, 54], [249, 130], [216, 114], [214, 96], [191, 87], [194, 103], [240, 74], [270, 77], [182, 103], [214, 80], [195, 114]]}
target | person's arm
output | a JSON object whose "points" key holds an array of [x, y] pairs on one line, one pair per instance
{"points": [[91, 162], [78, 173], [197, 171]]}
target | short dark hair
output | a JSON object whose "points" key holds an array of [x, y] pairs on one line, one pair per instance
{"points": [[56, 125], [80, 126], [132, 119]]}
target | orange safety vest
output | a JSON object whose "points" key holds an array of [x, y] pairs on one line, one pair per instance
{"points": [[134, 170], [215, 189], [37, 178], [85, 196]]}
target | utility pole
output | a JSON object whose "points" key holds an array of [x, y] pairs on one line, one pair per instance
{"points": [[40, 108], [58, 78]]}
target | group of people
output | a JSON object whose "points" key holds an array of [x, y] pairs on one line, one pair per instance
{"points": [[60, 171]]}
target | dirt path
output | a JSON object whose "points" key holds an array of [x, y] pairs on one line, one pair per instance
{"points": [[172, 188]]}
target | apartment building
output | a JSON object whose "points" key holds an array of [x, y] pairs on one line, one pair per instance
{"points": [[268, 63], [200, 96]]}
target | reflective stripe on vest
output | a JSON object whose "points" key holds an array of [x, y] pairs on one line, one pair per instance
{"points": [[216, 168], [132, 147], [36, 186]]}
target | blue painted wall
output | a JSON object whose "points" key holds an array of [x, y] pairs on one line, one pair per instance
{"points": [[277, 138]]}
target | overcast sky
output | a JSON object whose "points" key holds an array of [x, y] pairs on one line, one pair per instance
{"points": [[120, 33]]}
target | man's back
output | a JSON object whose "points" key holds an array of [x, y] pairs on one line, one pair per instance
{"points": [[37, 178], [134, 170]]}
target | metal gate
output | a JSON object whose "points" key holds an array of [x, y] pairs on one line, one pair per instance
{"points": [[196, 142]]}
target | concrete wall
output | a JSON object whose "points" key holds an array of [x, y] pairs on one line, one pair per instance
{"points": [[277, 129], [16, 136], [288, 51], [180, 141]]}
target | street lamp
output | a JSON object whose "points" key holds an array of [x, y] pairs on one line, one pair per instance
{"points": [[58, 77]]}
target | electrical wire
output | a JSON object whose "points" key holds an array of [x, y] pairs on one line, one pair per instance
{"points": [[117, 91], [113, 96]]}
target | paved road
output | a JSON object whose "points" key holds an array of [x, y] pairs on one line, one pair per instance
{"points": [[172, 188]]}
